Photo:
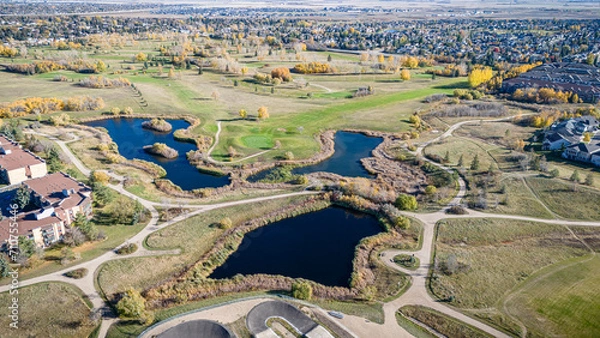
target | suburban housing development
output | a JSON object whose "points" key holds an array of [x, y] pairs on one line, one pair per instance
{"points": [[569, 136]]}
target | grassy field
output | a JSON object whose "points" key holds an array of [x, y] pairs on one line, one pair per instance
{"points": [[48, 310], [495, 257], [562, 301], [565, 199]]}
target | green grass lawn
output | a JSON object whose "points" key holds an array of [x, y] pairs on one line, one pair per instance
{"points": [[48, 310], [562, 300], [494, 258]]}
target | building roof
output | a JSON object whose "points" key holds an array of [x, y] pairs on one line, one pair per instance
{"points": [[12, 156], [589, 148], [59, 189]]}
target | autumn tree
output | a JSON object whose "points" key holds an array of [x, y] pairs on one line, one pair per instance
{"points": [[480, 75], [171, 74], [243, 114], [141, 57], [263, 113], [215, 95], [132, 305], [405, 74], [282, 73]]}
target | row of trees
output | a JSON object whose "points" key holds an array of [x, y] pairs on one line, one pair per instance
{"points": [[40, 106]]}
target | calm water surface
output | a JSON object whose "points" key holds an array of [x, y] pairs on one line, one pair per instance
{"points": [[129, 135], [318, 246]]}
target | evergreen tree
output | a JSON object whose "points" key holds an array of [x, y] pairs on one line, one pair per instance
{"points": [[22, 197], [575, 176], [475, 163], [589, 179], [461, 161]]}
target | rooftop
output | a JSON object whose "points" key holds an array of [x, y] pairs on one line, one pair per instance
{"points": [[12, 156]]}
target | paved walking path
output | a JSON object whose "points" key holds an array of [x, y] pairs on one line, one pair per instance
{"points": [[416, 294]]}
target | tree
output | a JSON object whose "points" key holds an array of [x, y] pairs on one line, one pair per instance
{"points": [[407, 202], [405, 74], [329, 58], [480, 75], [171, 74], [22, 197], [215, 95], [461, 161], [447, 157], [100, 66], [4, 267], [591, 58], [415, 120], [132, 305], [127, 111], [587, 137], [102, 194], [575, 176], [475, 163], [26, 246], [243, 114], [288, 155], [141, 57], [225, 223], [87, 227], [589, 179], [302, 290], [263, 113], [430, 190], [282, 73], [99, 176], [554, 173]]}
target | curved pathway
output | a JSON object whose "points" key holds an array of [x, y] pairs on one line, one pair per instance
{"points": [[416, 294]]}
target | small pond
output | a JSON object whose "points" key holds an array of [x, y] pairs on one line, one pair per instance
{"points": [[319, 246], [345, 161], [129, 135]]}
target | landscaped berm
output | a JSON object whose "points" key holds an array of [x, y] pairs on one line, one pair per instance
{"points": [[372, 169]]}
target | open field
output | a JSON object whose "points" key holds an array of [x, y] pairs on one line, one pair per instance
{"points": [[48, 310], [494, 258], [561, 300]]}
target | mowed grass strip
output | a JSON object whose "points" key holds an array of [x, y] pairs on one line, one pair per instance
{"points": [[47, 310], [563, 302]]}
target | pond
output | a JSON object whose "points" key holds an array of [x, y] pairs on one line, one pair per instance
{"points": [[129, 135], [345, 161], [319, 246]]}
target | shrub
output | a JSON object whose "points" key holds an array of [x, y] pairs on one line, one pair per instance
{"points": [[302, 290], [77, 273], [127, 249], [456, 210], [225, 223], [407, 202]]}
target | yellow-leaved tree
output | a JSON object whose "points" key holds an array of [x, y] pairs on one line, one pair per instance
{"points": [[480, 75]]}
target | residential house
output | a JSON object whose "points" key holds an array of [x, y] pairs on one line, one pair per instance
{"points": [[56, 200], [18, 165]]}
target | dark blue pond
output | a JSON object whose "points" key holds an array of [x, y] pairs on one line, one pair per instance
{"points": [[129, 135], [318, 246], [345, 161]]}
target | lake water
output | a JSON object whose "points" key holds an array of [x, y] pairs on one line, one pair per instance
{"points": [[319, 246], [129, 135], [345, 161]]}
